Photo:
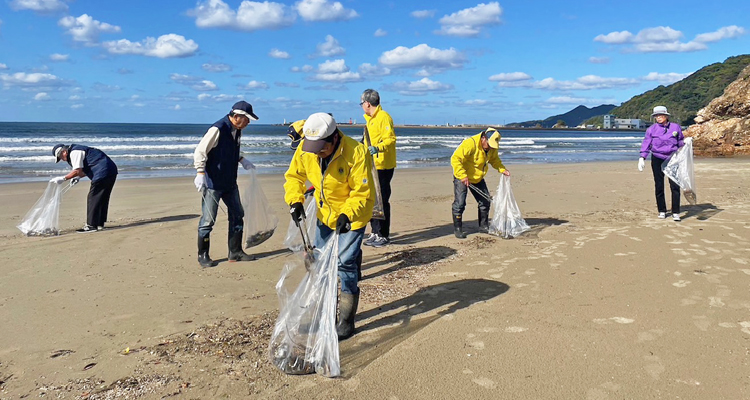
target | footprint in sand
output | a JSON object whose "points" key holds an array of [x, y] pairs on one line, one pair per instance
{"points": [[745, 326], [740, 261], [681, 284], [477, 345], [727, 324], [485, 382], [715, 302], [619, 320], [655, 368], [702, 322], [747, 271]]}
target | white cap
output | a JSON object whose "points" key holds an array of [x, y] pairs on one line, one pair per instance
{"points": [[660, 110], [317, 127]]}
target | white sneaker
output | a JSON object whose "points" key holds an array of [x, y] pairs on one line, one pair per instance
{"points": [[379, 242], [662, 215], [370, 239], [676, 217]]}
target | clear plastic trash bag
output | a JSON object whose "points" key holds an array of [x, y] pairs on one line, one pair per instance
{"points": [[304, 339], [679, 168], [507, 221], [44, 217], [293, 239], [260, 221]]}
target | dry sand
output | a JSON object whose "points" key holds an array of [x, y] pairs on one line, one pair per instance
{"points": [[600, 300]]}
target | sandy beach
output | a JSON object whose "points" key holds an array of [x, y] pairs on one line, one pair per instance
{"points": [[599, 300]]}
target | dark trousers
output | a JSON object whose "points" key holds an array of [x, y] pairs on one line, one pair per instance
{"points": [[97, 205], [459, 196], [383, 227], [661, 202]]}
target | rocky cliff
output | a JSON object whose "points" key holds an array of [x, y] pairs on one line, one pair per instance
{"points": [[723, 127]]}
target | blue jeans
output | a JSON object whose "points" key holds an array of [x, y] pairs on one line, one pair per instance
{"points": [[350, 254], [210, 206]]}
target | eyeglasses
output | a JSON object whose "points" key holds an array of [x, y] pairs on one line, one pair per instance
{"points": [[362, 103]]}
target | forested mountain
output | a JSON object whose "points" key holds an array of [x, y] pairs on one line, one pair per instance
{"points": [[571, 118]]}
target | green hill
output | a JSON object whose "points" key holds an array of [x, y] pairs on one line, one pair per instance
{"points": [[683, 99], [571, 118]]}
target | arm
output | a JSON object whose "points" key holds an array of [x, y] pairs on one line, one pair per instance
{"points": [[359, 185], [646, 145], [209, 141], [387, 134], [680, 137], [457, 159], [496, 162], [295, 178]]}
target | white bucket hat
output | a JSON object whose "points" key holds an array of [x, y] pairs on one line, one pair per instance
{"points": [[660, 110]]}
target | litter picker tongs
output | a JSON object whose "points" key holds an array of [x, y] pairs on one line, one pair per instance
{"points": [[306, 244], [479, 192]]}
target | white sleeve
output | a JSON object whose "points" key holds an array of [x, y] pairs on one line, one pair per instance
{"points": [[76, 158], [209, 141]]}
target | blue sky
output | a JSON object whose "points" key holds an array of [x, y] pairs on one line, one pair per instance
{"points": [[433, 62]]}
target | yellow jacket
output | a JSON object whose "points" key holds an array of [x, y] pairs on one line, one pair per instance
{"points": [[382, 135], [470, 160], [345, 188]]}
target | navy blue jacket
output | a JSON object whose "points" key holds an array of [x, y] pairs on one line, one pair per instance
{"points": [[221, 162], [96, 164]]}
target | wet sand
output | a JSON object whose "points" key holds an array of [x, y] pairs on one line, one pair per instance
{"points": [[599, 300]]}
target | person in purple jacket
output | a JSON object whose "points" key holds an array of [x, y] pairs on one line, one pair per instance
{"points": [[662, 140]]}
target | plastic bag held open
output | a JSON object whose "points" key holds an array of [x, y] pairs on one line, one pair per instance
{"points": [[44, 217], [507, 221], [260, 221], [293, 240], [304, 339], [679, 168]]}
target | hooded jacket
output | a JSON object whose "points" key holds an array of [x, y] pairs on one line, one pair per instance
{"points": [[382, 136], [662, 140], [470, 160], [345, 187]]}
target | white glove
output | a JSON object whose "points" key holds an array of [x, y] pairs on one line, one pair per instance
{"points": [[247, 164], [200, 181], [641, 164], [74, 181], [688, 140], [58, 180]]}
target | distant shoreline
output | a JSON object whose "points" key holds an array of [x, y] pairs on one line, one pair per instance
{"points": [[480, 127]]}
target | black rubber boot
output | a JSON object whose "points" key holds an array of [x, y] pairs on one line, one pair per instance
{"points": [[235, 249], [457, 227], [484, 223], [347, 310], [203, 258]]}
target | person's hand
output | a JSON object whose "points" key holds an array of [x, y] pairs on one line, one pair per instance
{"points": [[373, 150], [58, 180], [465, 181], [688, 140], [641, 164], [247, 164], [75, 181], [343, 224], [506, 173], [297, 211], [200, 181]]}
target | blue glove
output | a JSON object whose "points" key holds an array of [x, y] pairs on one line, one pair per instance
{"points": [[373, 150]]}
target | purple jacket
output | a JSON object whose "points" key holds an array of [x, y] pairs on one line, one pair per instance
{"points": [[662, 141]]}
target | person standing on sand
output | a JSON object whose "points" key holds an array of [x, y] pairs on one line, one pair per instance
{"points": [[93, 163], [383, 150], [216, 160], [469, 163], [662, 139], [335, 164]]}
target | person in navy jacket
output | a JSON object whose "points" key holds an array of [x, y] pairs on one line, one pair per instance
{"points": [[97, 166], [216, 160]]}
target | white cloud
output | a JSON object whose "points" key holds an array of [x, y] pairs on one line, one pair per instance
{"points": [[86, 29], [74, 97], [323, 10], [228, 98], [216, 67], [254, 85], [588, 82], [41, 96], [511, 77], [599, 60], [59, 57], [330, 48], [3, 67], [475, 102], [205, 86], [184, 79], [76, 106], [333, 66], [567, 100], [286, 84], [165, 46], [124, 71], [669, 47], [469, 21], [657, 34], [101, 87], [422, 56], [32, 80], [304, 68], [373, 70], [420, 87], [276, 53], [250, 15], [41, 6], [727, 32], [175, 107], [615, 37], [666, 79], [421, 14], [380, 33]]}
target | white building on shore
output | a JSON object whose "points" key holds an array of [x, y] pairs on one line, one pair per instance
{"points": [[610, 122]]}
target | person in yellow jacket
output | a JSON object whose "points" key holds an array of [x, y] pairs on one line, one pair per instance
{"points": [[469, 163], [335, 164], [383, 150]]}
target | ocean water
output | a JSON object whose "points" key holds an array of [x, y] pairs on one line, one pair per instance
{"points": [[163, 150]]}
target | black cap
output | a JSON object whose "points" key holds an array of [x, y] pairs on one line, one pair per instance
{"points": [[244, 108], [57, 151]]}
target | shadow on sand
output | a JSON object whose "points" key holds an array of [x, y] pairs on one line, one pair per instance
{"points": [[406, 258], [701, 212], [446, 298], [537, 225], [171, 218]]}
